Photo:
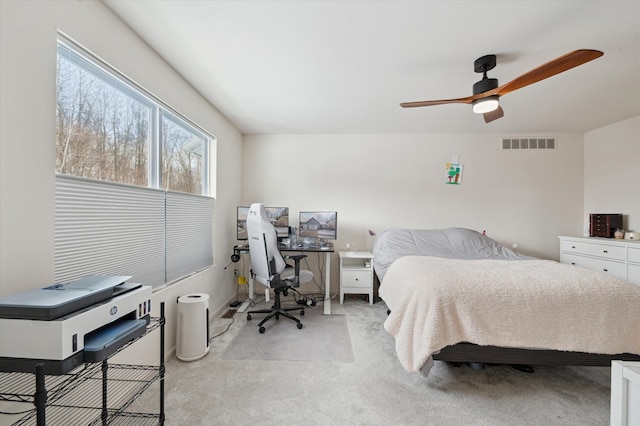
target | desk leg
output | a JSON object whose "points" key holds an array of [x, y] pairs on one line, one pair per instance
{"points": [[247, 302], [327, 288], [251, 289]]}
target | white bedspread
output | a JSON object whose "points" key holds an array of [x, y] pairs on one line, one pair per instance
{"points": [[534, 304]]}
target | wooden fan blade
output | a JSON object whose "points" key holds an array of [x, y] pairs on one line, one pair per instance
{"points": [[493, 115], [466, 100], [551, 68]]}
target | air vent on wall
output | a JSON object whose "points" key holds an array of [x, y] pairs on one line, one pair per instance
{"points": [[528, 143]]}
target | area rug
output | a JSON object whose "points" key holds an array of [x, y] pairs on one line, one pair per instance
{"points": [[323, 338]]}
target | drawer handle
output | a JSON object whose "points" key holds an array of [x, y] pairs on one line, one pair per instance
{"points": [[606, 270], [357, 279], [605, 251], [573, 263], [573, 247]]}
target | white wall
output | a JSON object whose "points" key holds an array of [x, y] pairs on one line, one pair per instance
{"points": [[612, 172], [398, 181], [27, 140]]}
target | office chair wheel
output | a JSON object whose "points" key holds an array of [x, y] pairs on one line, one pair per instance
{"points": [[301, 312], [299, 325], [261, 330], [248, 317]]}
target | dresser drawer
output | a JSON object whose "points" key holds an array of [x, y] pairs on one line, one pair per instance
{"points": [[633, 273], [357, 279], [617, 269], [593, 249], [633, 255]]}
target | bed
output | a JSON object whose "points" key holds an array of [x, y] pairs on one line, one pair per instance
{"points": [[456, 295]]}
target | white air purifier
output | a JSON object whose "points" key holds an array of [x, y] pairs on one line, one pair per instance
{"points": [[193, 327]]}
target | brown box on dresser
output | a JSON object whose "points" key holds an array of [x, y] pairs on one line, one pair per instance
{"points": [[604, 224]]}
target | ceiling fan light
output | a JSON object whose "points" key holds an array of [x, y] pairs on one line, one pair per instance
{"points": [[488, 104]]}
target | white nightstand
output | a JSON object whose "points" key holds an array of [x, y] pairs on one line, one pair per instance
{"points": [[356, 273]]}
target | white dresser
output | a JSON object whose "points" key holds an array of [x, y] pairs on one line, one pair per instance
{"points": [[620, 258]]}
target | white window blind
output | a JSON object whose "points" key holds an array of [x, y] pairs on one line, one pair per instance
{"points": [[108, 228], [189, 234]]}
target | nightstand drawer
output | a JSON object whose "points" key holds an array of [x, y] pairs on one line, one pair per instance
{"points": [[600, 250], [356, 279]]}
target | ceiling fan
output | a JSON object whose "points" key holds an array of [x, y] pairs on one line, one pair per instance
{"points": [[486, 92]]}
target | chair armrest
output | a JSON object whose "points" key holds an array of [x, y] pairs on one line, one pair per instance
{"points": [[296, 258]]}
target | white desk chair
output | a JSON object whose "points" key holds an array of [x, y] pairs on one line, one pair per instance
{"points": [[269, 267]]}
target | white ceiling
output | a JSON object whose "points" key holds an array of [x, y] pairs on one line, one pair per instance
{"points": [[344, 66]]}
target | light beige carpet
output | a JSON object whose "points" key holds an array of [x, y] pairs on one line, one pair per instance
{"points": [[373, 390], [323, 338]]}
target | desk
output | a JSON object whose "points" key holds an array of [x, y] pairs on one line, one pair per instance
{"points": [[284, 249]]}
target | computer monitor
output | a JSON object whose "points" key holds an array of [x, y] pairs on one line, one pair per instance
{"points": [[278, 216], [241, 232], [321, 225]]}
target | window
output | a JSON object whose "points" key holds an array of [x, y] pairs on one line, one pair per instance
{"points": [[131, 178], [103, 130], [182, 157]]}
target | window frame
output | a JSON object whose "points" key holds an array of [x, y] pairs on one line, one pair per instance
{"points": [[92, 64], [195, 232]]}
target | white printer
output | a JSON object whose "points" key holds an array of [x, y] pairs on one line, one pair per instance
{"points": [[65, 325]]}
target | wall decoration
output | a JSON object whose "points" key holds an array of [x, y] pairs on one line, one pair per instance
{"points": [[454, 173]]}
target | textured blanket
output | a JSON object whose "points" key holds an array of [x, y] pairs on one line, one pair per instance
{"points": [[533, 304]]}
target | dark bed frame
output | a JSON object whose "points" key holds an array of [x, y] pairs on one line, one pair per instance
{"points": [[469, 352]]}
